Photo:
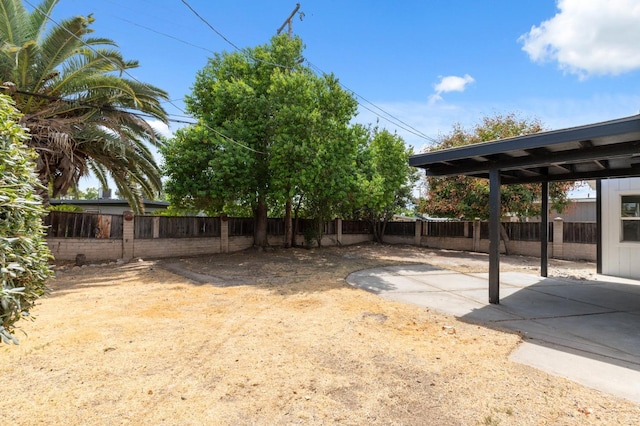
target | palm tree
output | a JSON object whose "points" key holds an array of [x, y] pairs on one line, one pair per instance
{"points": [[82, 114]]}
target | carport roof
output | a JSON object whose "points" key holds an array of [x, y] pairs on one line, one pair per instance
{"points": [[600, 150]]}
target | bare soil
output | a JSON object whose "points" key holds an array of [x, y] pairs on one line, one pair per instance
{"points": [[277, 337]]}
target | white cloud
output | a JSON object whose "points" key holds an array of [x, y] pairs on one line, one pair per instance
{"points": [[451, 83], [161, 128], [594, 37]]}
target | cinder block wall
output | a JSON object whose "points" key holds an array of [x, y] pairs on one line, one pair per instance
{"points": [[96, 249]]}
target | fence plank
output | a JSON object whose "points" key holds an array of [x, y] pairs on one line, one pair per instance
{"points": [[400, 228], [444, 229], [240, 226], [355, 227], [580, 232]]}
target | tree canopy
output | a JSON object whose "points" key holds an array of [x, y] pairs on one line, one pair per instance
{"points": [[24, 254], [270, 133], [82, 114], [386, 180], [461, 196]]}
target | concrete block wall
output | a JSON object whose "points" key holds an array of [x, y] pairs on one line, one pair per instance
{"points": [[174, 247], [451, 243], [574, 251], [350, 239], [558, 249], [240, 243], [96, 249], [399, 239]]}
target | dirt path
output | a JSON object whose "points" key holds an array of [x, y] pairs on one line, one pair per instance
{"points": [[278, 338]]}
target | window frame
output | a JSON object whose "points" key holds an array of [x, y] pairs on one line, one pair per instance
{"points": [[633, 198]]}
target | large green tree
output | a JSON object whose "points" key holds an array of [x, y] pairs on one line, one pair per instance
{"points": [[82, 114], [461, 196], [270, 133], [386, 179], [24, 254], [313, 158]]}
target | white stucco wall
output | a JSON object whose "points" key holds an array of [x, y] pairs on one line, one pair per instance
{"points": [[619, 258]]}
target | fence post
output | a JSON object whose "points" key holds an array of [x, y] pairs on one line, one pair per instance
{"points": [[128, 244], [476, 235], [339, 231], [558, 236], [467, 229], [418, 233], [224, 233]]}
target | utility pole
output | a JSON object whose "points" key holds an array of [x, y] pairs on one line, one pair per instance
{"points": [[289, 20]]}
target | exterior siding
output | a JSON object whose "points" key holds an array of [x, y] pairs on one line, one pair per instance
{"points": [[619, 258]]}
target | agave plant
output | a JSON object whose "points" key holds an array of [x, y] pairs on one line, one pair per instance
{"points": [[84, 115]]}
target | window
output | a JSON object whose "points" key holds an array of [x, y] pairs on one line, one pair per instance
{"points": [[630, 215]]}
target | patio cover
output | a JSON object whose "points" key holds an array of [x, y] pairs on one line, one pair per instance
{"points": [[594, 151]]}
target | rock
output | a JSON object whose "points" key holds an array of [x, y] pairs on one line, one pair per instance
{"points": [[81, 259]]}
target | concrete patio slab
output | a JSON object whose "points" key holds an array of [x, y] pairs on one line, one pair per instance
{"points": [[448, 282], [452, 304], [583, 330]]}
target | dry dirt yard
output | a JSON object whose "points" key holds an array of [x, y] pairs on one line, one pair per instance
{"points": [[277, 337]]}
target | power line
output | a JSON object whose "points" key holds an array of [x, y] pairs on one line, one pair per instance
{"points": [[132, 77], [390, 118], [195, 12], [137, 114], [164, 34], [230, 42], [387, 116]]}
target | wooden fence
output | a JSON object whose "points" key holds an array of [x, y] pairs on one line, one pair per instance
{"points": [[147, 227], [104, 236], [580, 232], [83, 225], [444, 229], [93, 225]]}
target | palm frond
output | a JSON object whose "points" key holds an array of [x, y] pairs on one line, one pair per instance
{"points": [[82, 114]]}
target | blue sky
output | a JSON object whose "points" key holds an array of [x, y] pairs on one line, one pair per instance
{"points": [[430, 64]]}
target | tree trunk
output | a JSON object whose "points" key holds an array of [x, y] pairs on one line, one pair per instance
{"points": [[376, 230], [288, 225], [505, 238], [296, 222], [260, 224], [320, 233], [382, 230]]}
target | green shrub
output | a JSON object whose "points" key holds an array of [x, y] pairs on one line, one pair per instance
{"points": [[24, 254], [65, 208]]}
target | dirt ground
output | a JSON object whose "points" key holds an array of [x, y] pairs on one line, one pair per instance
{"points": [[277, 337]]}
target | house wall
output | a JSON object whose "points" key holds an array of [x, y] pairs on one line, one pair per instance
{"points": [[619, 258], [579, 210], [110, 206]]}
